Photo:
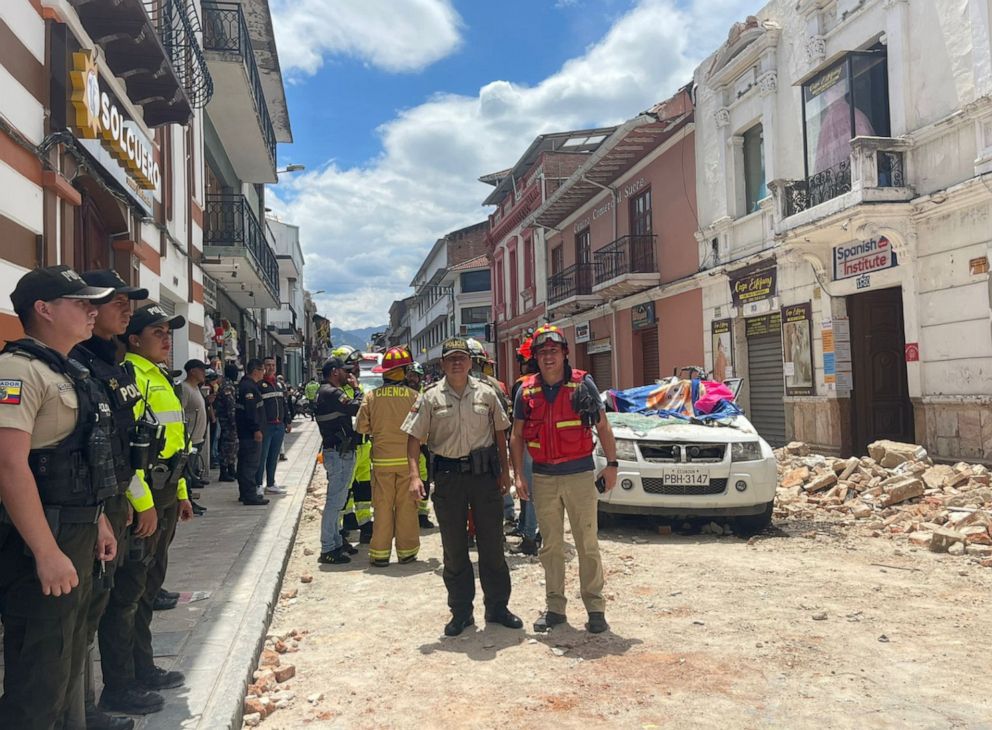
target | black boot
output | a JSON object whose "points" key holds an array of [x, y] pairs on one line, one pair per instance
{"points": [[97, 719], [131, 701], [526, 547], [458, 624], [158, 678], [365, 535]]}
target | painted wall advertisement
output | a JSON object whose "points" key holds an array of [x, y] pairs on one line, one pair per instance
{"points": [[797, 349], [753, 283], [723, 349]]}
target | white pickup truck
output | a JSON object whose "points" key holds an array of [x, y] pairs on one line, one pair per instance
{"points": [[673, 467]]}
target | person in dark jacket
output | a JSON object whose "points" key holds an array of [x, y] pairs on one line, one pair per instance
{"points": [[277, 423], [226, 408], [250, 422]]}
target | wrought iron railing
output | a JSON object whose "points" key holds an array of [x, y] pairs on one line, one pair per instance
{"points": [[830, 183], [177, 25], [632, 254], [230, 221], [570, 282], [891, 173], [225, 31]]}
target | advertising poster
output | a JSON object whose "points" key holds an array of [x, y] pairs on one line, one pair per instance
{"points": [[753, 283], [723, 350], [797, 349]]}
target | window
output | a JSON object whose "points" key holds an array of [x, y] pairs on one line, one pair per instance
{"points": [[476, 281], [754, 168], [500, 283], [640, 214], [847, 100], [583, 247], [514, 290], [475, 315], [528, 263], [557, 259]]}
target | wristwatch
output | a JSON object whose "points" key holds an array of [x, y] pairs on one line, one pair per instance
{"points": [[613, 463]]}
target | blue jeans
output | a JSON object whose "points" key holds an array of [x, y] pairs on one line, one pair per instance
{"points": [[508, 512], [272, 438], [339, 470], [528, 517]]}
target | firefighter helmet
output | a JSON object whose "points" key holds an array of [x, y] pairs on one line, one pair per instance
{"points": [[547, 333], [395, 357], [523, 352], [417, 368], [348, 354], [476, 349]]}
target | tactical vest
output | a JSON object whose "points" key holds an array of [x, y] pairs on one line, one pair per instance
{"points": [[78, 471], [122, 392], [554, 432]]}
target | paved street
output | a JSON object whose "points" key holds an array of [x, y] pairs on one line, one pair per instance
{"points": [[235, 554]]}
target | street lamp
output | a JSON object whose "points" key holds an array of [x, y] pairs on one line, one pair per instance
{"points": [[292, 168]]}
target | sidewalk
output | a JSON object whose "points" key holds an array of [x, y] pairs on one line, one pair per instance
{"points": [[238, 555]]}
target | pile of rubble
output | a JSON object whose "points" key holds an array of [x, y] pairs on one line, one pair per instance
{"points": [[896, 490], [270, 690]]}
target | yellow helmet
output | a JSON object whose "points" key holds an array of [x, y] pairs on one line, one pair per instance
{"points": [[348, 354], [547, 333]]}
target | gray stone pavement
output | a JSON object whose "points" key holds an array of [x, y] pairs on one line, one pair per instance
{"points": [[238, 555]]}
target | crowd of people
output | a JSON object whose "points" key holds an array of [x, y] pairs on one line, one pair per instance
{"points": [[103, 446]]}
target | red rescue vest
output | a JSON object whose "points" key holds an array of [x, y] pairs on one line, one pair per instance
{"points": [[553, 431]]}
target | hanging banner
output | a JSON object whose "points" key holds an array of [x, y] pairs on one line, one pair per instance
{"points": [[797, 349], [753, 283], [642, 316], [723, 349]]}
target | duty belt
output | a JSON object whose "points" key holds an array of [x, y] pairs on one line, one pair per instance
{"points": [[460, 466]]}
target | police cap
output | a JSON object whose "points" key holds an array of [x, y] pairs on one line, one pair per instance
{"points": [[151, 314], [109, 277], [453, 345], [55, 282]]}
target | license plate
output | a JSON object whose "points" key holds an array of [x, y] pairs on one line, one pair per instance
{"points": [[685, 477]]}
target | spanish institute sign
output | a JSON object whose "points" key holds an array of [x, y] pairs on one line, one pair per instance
{"points": [[861, 258]]}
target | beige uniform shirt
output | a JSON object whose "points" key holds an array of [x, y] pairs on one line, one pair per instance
{"points": [[380, 416], [452, 425], [36, 399]]}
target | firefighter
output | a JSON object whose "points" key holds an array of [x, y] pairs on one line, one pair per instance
{"points": [[380, 417], [554, 414]]}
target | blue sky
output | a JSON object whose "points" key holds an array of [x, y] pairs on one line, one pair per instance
{"points": [[397, 107]]}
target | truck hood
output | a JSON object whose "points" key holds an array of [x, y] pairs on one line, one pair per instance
{"points": [[654, 428]]}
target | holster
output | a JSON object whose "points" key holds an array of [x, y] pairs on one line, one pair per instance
{"points": [[484, 461]]}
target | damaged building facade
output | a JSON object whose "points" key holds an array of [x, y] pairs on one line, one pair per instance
{"points": [[845, 210]]}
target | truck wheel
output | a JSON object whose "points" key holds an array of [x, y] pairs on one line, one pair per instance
{"points": [[753, 524], [605, 520]]}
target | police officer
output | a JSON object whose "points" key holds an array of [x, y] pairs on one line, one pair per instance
{"points": [[55, 472], [463, 423], [554, 414], [159, 497], [102, 355], [226, 408], [251, 421]]}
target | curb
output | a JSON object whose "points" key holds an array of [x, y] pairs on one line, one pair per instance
{"points": [[225, 709]]}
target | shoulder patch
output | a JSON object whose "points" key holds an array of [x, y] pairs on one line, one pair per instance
{"points": [[10, 392], [249, 396]]}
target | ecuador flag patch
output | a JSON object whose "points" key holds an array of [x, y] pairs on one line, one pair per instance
{"points": [[10, 392]]}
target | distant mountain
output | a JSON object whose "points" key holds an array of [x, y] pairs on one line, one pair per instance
{"points": [[358, 338]]}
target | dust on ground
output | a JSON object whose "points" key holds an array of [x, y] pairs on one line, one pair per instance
{"points": [[806, 625]]}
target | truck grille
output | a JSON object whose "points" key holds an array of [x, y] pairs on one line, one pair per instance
{"points": [[655, 485], [681, 453]]}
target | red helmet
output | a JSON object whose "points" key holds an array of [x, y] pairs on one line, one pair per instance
{"points": [[395, 357], [524, 350], [547, 333]]}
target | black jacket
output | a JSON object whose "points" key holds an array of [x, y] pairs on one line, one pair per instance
{"points": [[274, 402], [334, 411], [249, 411]]}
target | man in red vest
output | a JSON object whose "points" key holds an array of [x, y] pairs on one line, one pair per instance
{"points": [[554, 413]]}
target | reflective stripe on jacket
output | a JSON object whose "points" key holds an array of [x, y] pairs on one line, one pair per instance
{"points": [[553, 431]]}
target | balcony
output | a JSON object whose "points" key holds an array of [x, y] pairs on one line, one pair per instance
{"points": [[874, 173], [625, 267], [239, 96], [152, 45], [570, 290], [237, 254]]}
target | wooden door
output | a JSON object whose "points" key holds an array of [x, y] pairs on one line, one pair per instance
{"points": [[880, 404]]}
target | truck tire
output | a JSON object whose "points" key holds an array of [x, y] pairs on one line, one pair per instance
{"points": [[753, 524]]}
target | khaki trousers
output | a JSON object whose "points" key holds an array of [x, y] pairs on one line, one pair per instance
{"points": [[575, 494], [395, 516]]}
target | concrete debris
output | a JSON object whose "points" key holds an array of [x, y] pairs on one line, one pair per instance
{"points": [[895, 492], [252, 719]]}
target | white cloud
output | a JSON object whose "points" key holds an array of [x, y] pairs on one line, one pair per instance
{"points": [[395, 36], [366, 229]]}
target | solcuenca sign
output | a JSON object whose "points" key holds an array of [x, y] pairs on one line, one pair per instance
{"points": [[857, 259]]}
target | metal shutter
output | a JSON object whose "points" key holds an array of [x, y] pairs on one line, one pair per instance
{"points": [[601, 369], [766, 379], [650, 360]]}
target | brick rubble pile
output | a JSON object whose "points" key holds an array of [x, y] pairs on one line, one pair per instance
{"points": [[895, 491]]}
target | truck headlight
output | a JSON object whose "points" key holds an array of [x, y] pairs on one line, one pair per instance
{"points": [[745, 451], [625, 450]]}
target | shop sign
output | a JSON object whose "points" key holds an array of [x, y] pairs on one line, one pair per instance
{"points": [[769, 324], [753, 283], [111, 137], [642, 316], [797, 349], [597, 346], [583, 332], [912, 352], [860, 259], [723, 349]]}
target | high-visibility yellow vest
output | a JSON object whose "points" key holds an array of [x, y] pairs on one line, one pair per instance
{"points": [[158, 390], [363, 454]]}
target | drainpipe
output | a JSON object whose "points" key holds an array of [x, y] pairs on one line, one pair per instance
{"points": [[613, 329]]}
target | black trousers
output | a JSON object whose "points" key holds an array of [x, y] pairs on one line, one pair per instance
{"points": [[44, 637], [454, 493], [125, 630], [249, 452]]}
